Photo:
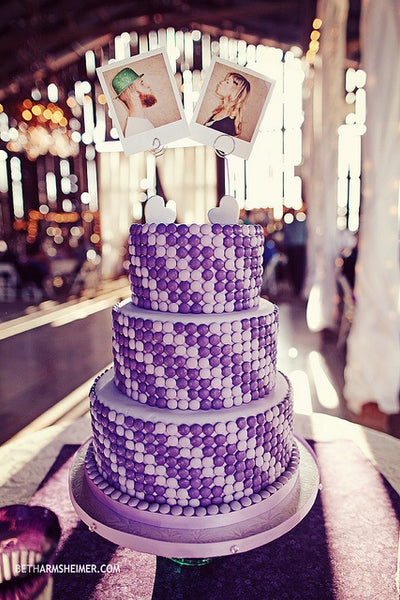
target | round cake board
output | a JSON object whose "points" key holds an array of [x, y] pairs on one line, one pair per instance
{"points": [[272, 523]]}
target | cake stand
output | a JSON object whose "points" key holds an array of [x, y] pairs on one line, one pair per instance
{"points": [[273, 521]]}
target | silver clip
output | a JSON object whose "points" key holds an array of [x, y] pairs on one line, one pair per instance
{"points": [[158, 148], [226, 145]]}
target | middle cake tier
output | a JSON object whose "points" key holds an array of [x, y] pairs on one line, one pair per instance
{"points": [[195, 362]]}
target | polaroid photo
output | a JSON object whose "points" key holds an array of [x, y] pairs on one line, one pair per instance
{"points": [[231, 105], [144, 102]]}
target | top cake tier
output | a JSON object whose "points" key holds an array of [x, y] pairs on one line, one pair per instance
{"points": [[195, 268]]}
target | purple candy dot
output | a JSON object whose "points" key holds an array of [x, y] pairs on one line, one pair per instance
{"points": [[204, 352], [179, 327], [181, 372], [195, 429], [182, 229], [215, 393], [228, 242], [203, 341], [181, 252], [196, 441], [194, 252], [193, 394], [207, 252], [227, 229], [173, 287], [216, 228], [160, 459], [207, 263], [214, 360], [217, 491], [208, 429], [194, 240], [195, 473], [202, 329], [184, 429], [194, 264], [207, 481], [207, 275], [203, 394], [181, 363], [184, 286], [196, 297], [205, 404]]}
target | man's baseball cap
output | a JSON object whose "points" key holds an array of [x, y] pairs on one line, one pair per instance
{"points": [[123, 79]]}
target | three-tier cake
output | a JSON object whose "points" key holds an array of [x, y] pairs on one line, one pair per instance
{"points": [[193, 425]]}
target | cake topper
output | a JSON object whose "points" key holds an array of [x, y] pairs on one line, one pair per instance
{"points": [[156, 211], [144, 101], [227, 213], [231, 108]]}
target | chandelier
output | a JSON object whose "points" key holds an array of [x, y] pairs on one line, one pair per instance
{"points": [[42, 129]]}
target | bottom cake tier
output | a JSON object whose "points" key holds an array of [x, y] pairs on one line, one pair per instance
{"points": [[186, 463]]}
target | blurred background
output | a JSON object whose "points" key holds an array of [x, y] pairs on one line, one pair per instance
{"points": [[322, 180]]}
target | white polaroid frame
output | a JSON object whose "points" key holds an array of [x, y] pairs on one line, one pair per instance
{"points": [[254, 108], [166, 115]]}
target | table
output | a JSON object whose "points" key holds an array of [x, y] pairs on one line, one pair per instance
{"points": [[25, 462], [38, 450]]}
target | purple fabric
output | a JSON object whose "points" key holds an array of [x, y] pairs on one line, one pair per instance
{"points": [[345, 549], [79, 546]]}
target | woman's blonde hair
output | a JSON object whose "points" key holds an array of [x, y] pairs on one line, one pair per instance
{"points": [[233, 104]]}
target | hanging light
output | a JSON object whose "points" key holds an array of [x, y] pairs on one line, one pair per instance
{"points": [[313, 46]]}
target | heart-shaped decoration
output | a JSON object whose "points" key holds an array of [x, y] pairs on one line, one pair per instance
{"points": [[227, 213], [156, 211]]}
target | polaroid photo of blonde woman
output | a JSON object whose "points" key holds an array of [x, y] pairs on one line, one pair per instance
{"points": [[144, 102], [231, 105]]}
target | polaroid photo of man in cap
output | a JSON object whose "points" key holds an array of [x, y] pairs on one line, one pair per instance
{"points": [[144, 102]]}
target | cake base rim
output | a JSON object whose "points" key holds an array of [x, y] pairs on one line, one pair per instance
{"points": [[198, 543]]}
